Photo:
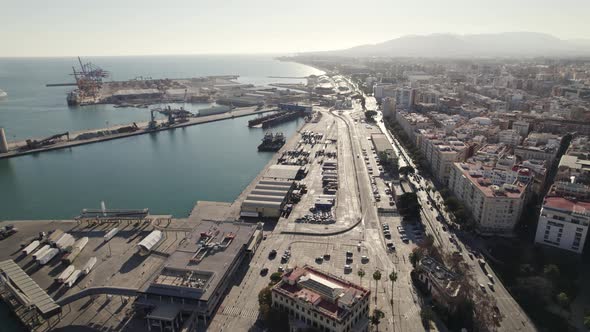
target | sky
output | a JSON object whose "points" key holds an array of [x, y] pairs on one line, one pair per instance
{"points": [[148, 27]]}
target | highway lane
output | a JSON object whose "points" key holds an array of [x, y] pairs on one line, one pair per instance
{"points": [[514, 317]]}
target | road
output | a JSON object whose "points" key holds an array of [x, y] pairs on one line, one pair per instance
{"points": [[239, 310], [514, 317]]}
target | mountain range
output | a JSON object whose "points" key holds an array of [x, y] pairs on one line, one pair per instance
{"points": [[507, 44]]}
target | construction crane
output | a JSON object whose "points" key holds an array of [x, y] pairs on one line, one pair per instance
{"points": [[89, 78], [34, 144]]}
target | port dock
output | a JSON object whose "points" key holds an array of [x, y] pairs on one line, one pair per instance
{"points": [[15, 148], [107, 297]]}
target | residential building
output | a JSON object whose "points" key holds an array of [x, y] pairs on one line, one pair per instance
{"points": [[410, 122], [318, 300], [388, 106], [564, 220], [509, 137], [495, 206], [542, 146]]}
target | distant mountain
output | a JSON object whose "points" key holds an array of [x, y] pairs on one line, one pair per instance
{"points": [[477, 45]]}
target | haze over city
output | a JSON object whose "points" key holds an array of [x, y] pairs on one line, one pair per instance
{"points": [[147, 27]]}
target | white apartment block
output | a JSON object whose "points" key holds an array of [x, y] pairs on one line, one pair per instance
{"points": [[382, 90], [509, 137], [563, 223], [495, 208], [410, 122], [440, 152], [318, 300]]}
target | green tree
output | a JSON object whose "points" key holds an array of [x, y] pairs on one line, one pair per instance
{"points": [[426, 314], [406, 170], [393, 279], [376, 277], [376, 318], [369, 115], [587, 321], [275, 277], [361, 274], [563, 300], [415, 256], [551, 272]]}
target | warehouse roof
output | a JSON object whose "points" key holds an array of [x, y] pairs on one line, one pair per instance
{"points": [[287, 172], [33, 294]]}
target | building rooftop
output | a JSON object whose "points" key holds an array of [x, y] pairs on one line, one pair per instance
{"points": [[328, 294], [201, 261], [476, 175], [381, 143], [568, 205], [285, 172]]}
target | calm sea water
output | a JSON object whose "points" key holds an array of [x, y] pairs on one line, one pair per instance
{"points": [[166, 172]]}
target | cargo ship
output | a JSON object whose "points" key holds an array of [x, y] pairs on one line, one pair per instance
{"points": [[272, 142]]}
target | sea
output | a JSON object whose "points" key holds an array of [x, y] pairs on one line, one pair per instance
{"points": [[166, 172]]}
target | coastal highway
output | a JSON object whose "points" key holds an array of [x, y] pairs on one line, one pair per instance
{"points": [[514, 317]]}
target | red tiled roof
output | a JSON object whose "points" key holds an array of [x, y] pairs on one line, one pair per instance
{"points": [[565, 204]]}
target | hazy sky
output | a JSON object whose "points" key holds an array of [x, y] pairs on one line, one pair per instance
{"points": [[128, 27]]}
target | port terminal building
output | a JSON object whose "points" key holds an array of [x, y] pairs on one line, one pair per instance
{"points": [[195, 277]]}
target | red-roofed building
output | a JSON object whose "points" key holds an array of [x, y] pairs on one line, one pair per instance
{"points": [[563, 222], [315, 299]]}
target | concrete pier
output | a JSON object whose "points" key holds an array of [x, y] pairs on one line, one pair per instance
{"points": [[13, 148]]}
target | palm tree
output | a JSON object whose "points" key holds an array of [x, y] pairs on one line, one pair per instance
{"points": [[393, 279], [376, 318], [361, 274], [376, 277]]}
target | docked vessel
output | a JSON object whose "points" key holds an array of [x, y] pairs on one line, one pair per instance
{"points": [[272, 142]]}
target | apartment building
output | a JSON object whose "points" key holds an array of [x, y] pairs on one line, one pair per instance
{"points": [[320, 301], [565, 217], [509, 137], [440, 152], [410, 122], [495, 207], [543, 146]]}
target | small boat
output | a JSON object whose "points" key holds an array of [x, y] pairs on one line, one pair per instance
{"points": [[3, 94]]}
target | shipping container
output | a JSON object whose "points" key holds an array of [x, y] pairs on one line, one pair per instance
{"points": [[71, 256], [89, 265], [110, 234], [31, 247], [81, 243], [65, 274], [41, 252], [55, 236], [65, 241], [48, 256], [73, 278]]}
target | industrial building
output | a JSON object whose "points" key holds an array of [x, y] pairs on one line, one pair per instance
{"points": [[296, 107], [195, 277], [320, 301], [381, 144], [267, 199], [284, 172], [30, 303]]}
